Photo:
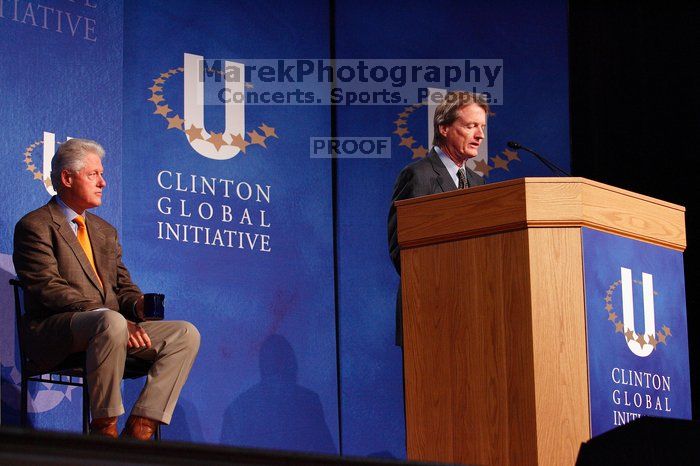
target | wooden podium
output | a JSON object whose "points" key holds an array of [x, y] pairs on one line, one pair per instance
{"points": [[494, 323]]}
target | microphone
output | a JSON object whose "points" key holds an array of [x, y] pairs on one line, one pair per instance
{"points": [[554, 169]]}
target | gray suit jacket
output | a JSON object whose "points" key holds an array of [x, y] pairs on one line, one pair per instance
{"points": [[420, 178], [58, 279]]}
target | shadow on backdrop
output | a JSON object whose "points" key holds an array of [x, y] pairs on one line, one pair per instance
{"points": [[9, 353], [185, 424], [277, 412]]}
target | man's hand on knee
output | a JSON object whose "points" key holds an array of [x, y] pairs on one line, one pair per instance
{"points": [[138, 338]]}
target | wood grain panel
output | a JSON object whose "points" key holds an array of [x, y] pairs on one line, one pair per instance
{"points": [[559, 343], [580, 202], [482, 209], [638, 217], [542, 203], [468, 352]]}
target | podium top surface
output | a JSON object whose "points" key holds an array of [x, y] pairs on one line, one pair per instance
{"points": [[539, 203]]}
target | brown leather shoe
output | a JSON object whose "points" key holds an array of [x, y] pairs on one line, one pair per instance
{"points": [[140, 428], [105, 426]]}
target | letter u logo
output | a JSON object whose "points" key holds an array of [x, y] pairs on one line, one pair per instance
{"points": [[194, 108], [634, 344], [49, 152]]}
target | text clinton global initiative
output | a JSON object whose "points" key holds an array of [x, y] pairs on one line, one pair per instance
{"points": [[207, 217]]}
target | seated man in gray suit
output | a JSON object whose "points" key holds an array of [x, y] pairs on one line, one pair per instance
{"points": [[458, 129], [79, 297]]}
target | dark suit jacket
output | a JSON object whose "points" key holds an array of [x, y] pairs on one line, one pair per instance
{"points": [[58, 279], [420, 178]]}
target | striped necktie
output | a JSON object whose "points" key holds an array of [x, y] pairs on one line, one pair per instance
{"points": [[462, 179]]}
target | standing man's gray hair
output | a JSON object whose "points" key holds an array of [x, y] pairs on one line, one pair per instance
{"points": [[446, 112], [71, 156]]}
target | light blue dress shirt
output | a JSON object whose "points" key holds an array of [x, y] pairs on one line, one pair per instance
{"points": [[452, 168], [69, 213]]}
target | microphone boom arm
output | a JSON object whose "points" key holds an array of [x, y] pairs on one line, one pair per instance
{"points": [[552, 167]]}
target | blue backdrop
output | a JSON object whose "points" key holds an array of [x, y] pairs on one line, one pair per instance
{"points": [[269, 369], [60, 75], [531, 40], [267, 365]]}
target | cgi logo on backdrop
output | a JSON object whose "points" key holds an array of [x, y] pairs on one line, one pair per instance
{"points": [[208, 143], [37, 161], [347, 82], [205, 211], [42, 172], [405, 129]]}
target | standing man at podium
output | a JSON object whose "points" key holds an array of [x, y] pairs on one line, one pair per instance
{"points": [[458, 129]]}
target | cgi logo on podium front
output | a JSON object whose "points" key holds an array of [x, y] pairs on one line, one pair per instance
{"points": [[637, 390], [644, 343]]}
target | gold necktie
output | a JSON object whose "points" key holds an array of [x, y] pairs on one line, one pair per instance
{"points": [[84, 241]]}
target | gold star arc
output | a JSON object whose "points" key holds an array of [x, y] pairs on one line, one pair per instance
{"points": [[162, 110], [269, 131], [238, 141], [31, 167], [511, 155], [156, 99], [481, 166], [216, 139], [257, 138], [661, 337], [408, 142], [498, 162], [175, 122], [194, 132], [419, 152], [652, 341], [642, 339], [401, 131]]}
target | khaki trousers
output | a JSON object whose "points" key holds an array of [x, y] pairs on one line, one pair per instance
{"points": [[103, 335]]}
